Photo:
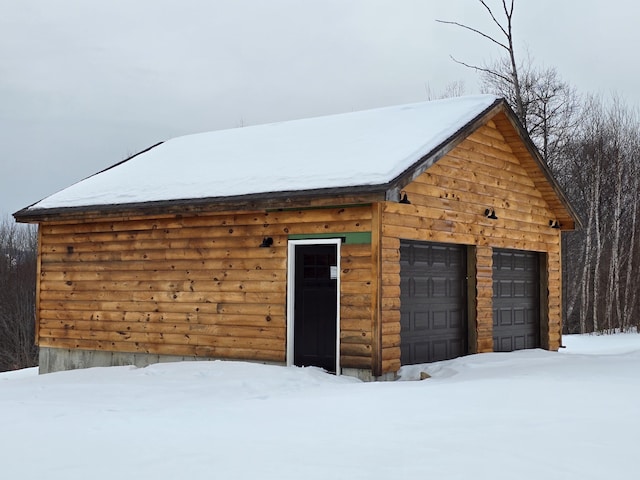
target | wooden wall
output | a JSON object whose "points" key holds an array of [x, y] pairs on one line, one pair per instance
{"points": [[448, 203], [199, 285], [193, 285]]}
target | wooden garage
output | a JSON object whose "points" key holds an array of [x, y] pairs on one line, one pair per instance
{"points": [[354, 242]]}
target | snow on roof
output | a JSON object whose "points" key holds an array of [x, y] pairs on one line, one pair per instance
{"points": [[369, 147]]}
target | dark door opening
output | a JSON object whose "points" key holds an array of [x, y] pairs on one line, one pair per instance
{"points": [[433, 307], [315, 306]]}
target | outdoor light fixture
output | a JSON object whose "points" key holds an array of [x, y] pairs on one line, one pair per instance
{"points": [[404, 198], [490, 213], [266, 242], [554, 223]]}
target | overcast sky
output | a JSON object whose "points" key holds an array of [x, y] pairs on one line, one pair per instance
{"points": [[84, 84]]}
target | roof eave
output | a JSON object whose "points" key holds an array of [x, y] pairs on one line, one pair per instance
{"points": [[500, 105], [358, 194], [420, 166]]}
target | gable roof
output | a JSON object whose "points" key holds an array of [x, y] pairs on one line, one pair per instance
{"points": [[378, 150]]}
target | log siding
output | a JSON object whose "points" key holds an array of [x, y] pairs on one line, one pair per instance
{"points": [[188, 278], [448, 204], [193, 285]]}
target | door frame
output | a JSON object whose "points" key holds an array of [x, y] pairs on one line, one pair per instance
{"points": [[291, 290]]}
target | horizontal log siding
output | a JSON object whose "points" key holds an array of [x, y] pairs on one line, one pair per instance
{"points": [[518, 147], [554, 299], [448, 202], [355, 306], [484, 299], [192, 285], [390, 304]]}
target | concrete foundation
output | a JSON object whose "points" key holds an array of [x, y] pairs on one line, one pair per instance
{"points": [[365, 375], [59, 359]]}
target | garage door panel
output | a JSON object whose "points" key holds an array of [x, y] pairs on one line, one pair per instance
{"points": [[421, 349], [503, 289], [516, 300], [521, 289], [503, 344], [433, 303], [502, 318], [439, 287], [519, 317], [421, 321], [440, 320], [419, 286]]}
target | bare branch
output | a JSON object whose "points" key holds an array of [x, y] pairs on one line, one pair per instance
{"points": [[495, 20], [488, 37], [485, 70]]}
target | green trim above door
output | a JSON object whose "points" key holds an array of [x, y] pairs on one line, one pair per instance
{"points": [[348, 238]]}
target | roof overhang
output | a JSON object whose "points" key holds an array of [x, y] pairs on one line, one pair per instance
{"points": [[499, 111], [523, 148]]}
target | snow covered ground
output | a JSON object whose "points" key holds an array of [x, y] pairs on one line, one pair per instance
{"points": [[523, 415]]}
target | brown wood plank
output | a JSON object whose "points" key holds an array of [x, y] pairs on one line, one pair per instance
{"points": [[166, 338], [253, 286], [125, 327], [497, 228], [212, 220], [355, 350], [189, 275], [376, 289], [348, 361], [180, 265], [362, 288], [359, 337], [70, 317], [164, 297]]}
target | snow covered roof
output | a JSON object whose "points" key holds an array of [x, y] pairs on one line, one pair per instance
{"points": [[358, 149]]}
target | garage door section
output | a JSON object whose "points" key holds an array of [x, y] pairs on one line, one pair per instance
{"points": [[433, 303], [516, 300]]}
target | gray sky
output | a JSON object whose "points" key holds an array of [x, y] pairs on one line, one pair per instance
{"points": [[84, 84]]}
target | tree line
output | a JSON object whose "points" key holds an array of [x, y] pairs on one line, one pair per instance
{"points": [[18, 257]]}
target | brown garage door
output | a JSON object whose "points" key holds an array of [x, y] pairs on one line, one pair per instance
{"points": [[433, 303], [516, 300]]}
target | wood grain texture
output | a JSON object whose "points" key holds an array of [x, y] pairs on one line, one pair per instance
{"points": [[193, 285], [448, 204], [193, 281]]}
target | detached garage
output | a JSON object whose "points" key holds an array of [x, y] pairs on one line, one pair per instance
{"points": [[356, 242]]}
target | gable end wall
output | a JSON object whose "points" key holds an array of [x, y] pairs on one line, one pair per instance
{"points": [[448, 204]]}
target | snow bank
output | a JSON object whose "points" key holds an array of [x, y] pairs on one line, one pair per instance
{"points": [[525, 415], [601, 344]]}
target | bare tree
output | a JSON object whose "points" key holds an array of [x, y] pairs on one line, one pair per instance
{"points": [[18, 258], [452, 89], [546, 105], [550, 105], [602, 161], [504, 40]]}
